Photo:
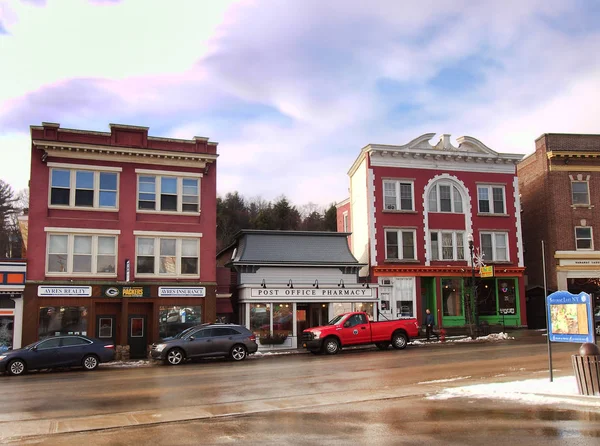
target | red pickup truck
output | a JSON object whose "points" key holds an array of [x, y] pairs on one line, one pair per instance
{"points": [[355, 329]]}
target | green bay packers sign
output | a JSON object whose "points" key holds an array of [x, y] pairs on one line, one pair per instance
{"points": [[118, 291]]}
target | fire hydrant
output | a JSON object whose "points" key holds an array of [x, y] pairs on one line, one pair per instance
{"points": [[442, 335]]}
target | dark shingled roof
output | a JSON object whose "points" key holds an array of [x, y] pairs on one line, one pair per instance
{"points": [[293, 247]]}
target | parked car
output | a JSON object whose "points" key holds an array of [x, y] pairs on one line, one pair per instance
{"points": [[210, 340], [355, 329], [58, 351]]}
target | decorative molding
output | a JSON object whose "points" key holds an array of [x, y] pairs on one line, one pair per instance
{"points": [[451, 271], [166, 234], [172, 173], [92, 231], [84, 167]]}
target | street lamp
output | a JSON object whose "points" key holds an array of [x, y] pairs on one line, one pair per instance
{"points": [[473, 297]]}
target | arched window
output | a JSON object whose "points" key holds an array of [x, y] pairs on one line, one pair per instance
{"points": [[445, 197]]}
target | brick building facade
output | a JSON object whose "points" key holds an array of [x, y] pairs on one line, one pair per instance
{"points": [[413, 209], [560, 196], [121, 235]]}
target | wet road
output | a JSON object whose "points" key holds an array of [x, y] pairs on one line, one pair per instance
{"points": [[363, 397]]}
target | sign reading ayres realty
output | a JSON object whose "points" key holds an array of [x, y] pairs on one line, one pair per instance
{"points": [[172, 291], [313, 292], [71, 291]]}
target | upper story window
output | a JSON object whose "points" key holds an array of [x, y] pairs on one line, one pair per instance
{"points": [[583, 237], [166, 193], [398, 195], [445, 197], [81, 254], [345, 222], [400, 244], [494, 246], [446, 245], [167, 256], [78, 188], [491, 199], [580, 193]]}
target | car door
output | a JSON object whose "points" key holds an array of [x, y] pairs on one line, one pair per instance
{"points": [[355, 330], [223, 339], [198, 343], [46, 354], [72, 350]]}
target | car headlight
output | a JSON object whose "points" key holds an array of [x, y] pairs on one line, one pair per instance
{"points": [[3, 357], [316, 334], [160, 347]]}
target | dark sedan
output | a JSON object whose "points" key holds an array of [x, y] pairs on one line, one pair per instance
{"points": [[227, 340], [59, 351]]}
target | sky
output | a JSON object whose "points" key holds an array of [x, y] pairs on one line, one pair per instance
{"points": [[292, 90]]}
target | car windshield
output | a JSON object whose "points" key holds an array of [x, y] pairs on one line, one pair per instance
{"points": [[336, 320]]}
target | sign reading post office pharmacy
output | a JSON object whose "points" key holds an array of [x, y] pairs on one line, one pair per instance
{"points": [[313, 292], [68, 291]]}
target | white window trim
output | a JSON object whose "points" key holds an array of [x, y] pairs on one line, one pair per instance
{"points": [[587, 183], [591, 248], [345, 221], [167, 234], [397, 183], [96, 170], [452, 186], [156, 256], [399, 231], [70, 253], [493, 234], [87, 231], [455, 235], [490, 188], [179, 176]]}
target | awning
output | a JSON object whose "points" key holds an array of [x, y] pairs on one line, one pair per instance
{"points": [[224, 306]]}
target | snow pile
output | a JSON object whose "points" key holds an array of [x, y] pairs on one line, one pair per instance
{"points": [[458, 378], [126, 364], [531, 391], [275, 353], [489, 338]]}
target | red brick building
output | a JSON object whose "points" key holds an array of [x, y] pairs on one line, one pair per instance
{"points": [[121, 234], [560, 195], [413, 209]]}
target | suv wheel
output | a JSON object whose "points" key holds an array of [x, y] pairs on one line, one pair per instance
{"points": [[238, 353], [175, 356]]}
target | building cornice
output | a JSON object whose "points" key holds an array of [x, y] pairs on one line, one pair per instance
{"points": [[449, 271]]}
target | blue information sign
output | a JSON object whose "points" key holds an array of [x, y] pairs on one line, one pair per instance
{"points": [[570, 317]]}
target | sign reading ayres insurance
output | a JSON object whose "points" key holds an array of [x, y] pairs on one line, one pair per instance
{"points": [[172, 291], [71, 291]]}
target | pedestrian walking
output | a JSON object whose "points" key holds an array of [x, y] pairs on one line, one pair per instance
{"points": [[429, 324]]}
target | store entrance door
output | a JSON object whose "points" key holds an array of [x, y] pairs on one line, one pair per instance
{"points": [[311, 315], [136, 336]]}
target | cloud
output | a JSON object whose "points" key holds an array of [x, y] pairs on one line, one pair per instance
{"points": [[293, 90]]}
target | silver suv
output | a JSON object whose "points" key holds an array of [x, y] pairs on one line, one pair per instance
{"points": [[227, 340]]}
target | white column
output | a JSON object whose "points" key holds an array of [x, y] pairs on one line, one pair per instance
{"points": [[18, 323]]}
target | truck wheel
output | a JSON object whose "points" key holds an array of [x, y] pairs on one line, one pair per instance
{"points": [[399, 341], [331, 346], [382, 345]]}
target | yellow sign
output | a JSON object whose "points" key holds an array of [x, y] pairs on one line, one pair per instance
{"points": [[486, 271]]}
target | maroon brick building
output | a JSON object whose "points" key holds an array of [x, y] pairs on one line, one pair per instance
{"points": [[122, 235], [560, 196]]}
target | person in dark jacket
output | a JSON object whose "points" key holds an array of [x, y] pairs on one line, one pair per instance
{"points": [[429, 324]]}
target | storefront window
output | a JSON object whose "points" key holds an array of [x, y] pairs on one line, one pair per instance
{"points": [[260, 318], [339, 308], [367, 307], [283, 319], [507, 297], [56, 321], [175, 319], [486, 297], [6, 333], [452, 297]]}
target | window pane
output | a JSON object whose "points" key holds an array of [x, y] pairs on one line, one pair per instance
{"points": [[406, 196], [82, 263], [57, 263], [57, 253], [435, 254], [580, 192], [108, 199], [84, 180], [106, 328], [190, 187], [58, 244], [189, 265], [445, 200], [484, 201], [583, 232], [501, 250], [168, 185], [457, 200], [260, 319], [168, 246], [106, 245], [84, 189], [452, 297], [82, 244], [145, 265], [433, 199], [498, 195], [168, 202], [108, 181], [60, 196], [61, 178], [62, 320], [145, 246], [408, 245], [392, 244], [389, 195], [189, 248], [147, 189], [175, 319], [283, 319], [460, 246], [106, 255], [106, 263], [168, 265], [447, 246], [486, 247], [84, 198]]}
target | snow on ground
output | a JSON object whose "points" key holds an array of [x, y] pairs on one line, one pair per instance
{"points": [[284, 352], [444, 380], [494, 337], [126, 364], [531, 391]]}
